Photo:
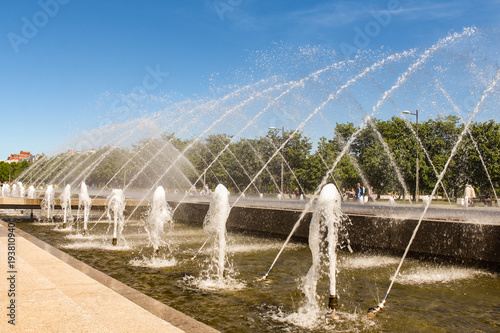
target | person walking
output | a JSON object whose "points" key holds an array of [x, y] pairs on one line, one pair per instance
{"points": [[370, 194], [359, 193], [487, 198], [469, 194]]}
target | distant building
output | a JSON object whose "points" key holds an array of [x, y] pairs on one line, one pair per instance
{"points": [[83, 152], [34, 158], [23, 155], [69, 152]]}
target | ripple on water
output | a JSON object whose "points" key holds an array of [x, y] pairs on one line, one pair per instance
{"points": [[424, 275], [153, 262], [85, 237], [242, 248], [321, 320], [97, 245], [227, 283], [367, 261]]}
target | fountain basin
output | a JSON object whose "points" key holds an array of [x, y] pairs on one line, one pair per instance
{"points": [[471, 243]]}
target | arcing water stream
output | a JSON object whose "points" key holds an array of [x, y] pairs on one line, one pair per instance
{"points": [[337, 92]]}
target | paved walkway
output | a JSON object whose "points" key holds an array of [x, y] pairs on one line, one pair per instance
{"points": [[56, 293]]}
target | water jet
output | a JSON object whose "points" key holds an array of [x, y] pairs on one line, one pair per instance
{"points": [[114, 211]]}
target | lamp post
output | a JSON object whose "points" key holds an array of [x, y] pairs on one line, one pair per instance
{"points": [[416, 116], [282, 129]]}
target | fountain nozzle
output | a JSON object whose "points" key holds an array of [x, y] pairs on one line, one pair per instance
{"points": [[115, 241], [373, 311], [64, 225], [261, 279], [333, 302]]}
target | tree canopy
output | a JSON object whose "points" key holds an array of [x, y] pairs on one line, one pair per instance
{"points": [[382, 154]]}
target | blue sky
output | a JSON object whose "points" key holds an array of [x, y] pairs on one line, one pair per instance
{"points": [[60, 57]]}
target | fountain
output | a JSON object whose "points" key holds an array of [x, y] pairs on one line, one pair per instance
{"points": [[214, 225], [271, 306], [114, 211], [84, 203], [65, 200], [316, 96], [14, 191], [323, 240], [47, 204], [20, 190], [6, 190], [31, 192], [158, 220]]}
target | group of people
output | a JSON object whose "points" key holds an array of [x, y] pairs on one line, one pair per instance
{"points": [[470, 195], [361, 194], [295, 194], [204, 191]]}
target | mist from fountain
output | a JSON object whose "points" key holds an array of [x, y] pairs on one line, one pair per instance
{"points": [[142, 122], [188, 114]]}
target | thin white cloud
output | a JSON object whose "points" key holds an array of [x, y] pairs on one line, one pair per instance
{"points": [[341, 13], [434, 11], [325, 15]]}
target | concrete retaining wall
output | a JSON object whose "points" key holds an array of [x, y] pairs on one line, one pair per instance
{"points": [[468, 243]]}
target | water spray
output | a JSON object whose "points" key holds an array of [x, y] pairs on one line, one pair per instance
{"points": [[201, 248], [374, 310], [116, 206]]}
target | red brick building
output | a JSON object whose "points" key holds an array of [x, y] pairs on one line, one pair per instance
{"points": [[19, 157]]}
